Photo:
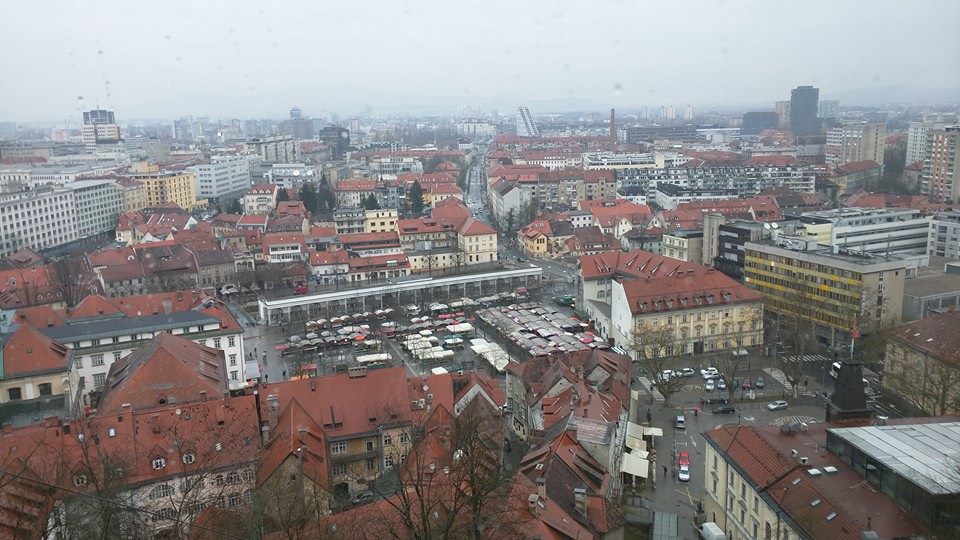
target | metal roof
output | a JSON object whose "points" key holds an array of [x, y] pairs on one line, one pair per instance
{"points": [[110, 327], [925, 454]]}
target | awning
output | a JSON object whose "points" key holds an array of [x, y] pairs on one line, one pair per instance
{"points": [[635, 444], [642, 454], [634, 430], [655, 431], [635, 466]]}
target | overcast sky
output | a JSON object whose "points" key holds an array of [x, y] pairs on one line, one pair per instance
{"points": [[256, 59]]}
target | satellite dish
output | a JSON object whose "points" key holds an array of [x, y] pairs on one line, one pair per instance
{"points": [[766, 226], [296, 173], [775, 225]]}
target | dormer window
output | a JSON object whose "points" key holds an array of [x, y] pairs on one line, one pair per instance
{"points": [[159, 462]]}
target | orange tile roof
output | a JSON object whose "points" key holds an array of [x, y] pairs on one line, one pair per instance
{"points": [[937, 335], [636, 263], [692, 289], [28, 352], [166, 369]]}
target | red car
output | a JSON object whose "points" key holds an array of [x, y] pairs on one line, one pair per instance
{"points": [[747, 384], [684, 459]]}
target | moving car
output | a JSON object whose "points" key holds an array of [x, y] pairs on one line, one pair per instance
{"points": [[724, 409], [746, 384], [760, 382], [683, 474], [777, 405], [680, 422], [683, 459]]}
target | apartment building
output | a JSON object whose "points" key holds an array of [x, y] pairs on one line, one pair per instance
{"points": [[275, 149], [40, 218], [944, 238], [918, 140], [98, 204], [477, 242], [178, 187], [847, 144], [683, 245], [222, 176], [133, 193], [261, 199], [284, 248], [100, 331], [704, 309], [380, 220], [840, 292], [350, 220], [855, 176], [941, 174], [922, 363], [764, 483], [34, 369]]}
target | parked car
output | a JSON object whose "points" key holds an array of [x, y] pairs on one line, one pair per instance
{"points": [[777, 405], [229, 288], [724, 409], [709, 386], [683, 474], [687, 372], [718, 401], [721, 384], [709, 373], [680, 422], [760, 383], [363, 497], [746, 384], [683, 459]]}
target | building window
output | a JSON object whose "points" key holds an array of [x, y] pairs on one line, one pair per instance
{"points": [[159, 463], [338, 447], [80, 480], [13, 394], [46, 389], [387, 440], [99, 379], [338, 469], [388, 461], [96, 360], [403, 438], [163, 490], [233, 478], [233, 359], [216, 343], [231, 341], [369, 446], [189, 458]]}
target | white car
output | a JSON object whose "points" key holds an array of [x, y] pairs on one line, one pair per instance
{"points": [[229, 288], [721, 384], [683, 474], [687, 372], [709, 386], [709, 373], [777, 405], [666, 374]]}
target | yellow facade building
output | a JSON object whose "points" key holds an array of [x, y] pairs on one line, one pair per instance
{"points": [[179, 187]]}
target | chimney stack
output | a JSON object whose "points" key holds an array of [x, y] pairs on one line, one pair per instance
{"points": [[533, 502], [542, 487], [613, 125], [580, 500]]}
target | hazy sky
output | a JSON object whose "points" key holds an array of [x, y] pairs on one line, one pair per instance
{"points": [[255, 59]]}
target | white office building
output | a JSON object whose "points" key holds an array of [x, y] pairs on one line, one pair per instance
{"points": [[881, 231], [40, 218], [918, 143], [98, 204], [222, 176]]}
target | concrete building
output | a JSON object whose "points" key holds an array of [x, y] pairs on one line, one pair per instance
{"points": [[133, 194], [918, 140], [756, 122], [782, 108], [178, 187], [944, 238], [683, 245], [847, 144], [99, 127], [828, 109], [839, 292], [526, 125], [878, 231], [98, 205], [40, 218], [804, 102], [384, 220], [941, 174], [669, 196], [855, 176], [275, 149], [935, 289], [222, 177], [291, 175]]}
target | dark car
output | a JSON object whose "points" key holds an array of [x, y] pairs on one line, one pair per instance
{"points": [[718, 401], [724, 409], [760, 383]]}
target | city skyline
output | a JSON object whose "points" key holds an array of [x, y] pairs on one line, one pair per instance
{"points": [[251, 62]]}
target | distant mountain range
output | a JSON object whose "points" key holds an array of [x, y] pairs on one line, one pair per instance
{"points": [[887, 95]]}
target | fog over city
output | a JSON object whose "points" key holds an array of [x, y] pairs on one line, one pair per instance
{"points": [[246, 59]]}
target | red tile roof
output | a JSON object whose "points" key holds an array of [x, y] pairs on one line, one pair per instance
{"points": [[362, 184], [262, 189], [635, 263], [473, 227], [358, 240], [28, 352], [775, 160], [361, 264], [167, 369], [855, 167], [324, 258], [685, 290], [937, 335]]}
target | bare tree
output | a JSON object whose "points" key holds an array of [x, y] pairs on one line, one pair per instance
{"points": [[657, 349], [932, 387], [72, 278], [730, 363]]}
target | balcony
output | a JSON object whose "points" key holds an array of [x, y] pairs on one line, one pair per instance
{"points": [[354, 456]]}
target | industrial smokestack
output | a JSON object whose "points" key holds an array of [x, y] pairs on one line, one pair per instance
{"points": [[613, 125]]}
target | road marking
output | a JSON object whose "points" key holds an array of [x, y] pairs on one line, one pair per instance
{"points": [[686, 491], [693, 441], [748, 418], [784, 420]]}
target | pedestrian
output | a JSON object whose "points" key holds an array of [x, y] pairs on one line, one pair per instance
{"points": [[266, 377], [649, 416], [284, 374], [696, 413], [805, 381], [664, 471]]}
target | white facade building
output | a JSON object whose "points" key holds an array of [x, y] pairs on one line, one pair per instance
{"points": [[222, 176], [918, 140], [41, 218], [98, 204]]}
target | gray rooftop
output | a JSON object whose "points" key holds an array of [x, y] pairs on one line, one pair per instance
{"points": [[925, 454], [111, 327]]}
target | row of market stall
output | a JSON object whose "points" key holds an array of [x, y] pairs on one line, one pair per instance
{"points": [[540, 330]]}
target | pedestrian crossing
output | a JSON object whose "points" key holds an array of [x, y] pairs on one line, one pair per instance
{"points": [[787, 420], [781, 378]]}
